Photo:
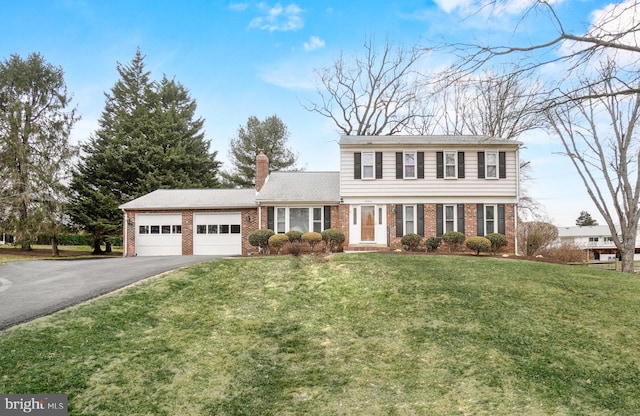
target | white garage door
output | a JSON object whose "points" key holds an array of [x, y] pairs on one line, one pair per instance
{"points": [[159, 234], [218, 234]]}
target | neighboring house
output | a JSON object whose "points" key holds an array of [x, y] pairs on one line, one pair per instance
{"points": [[596, 240], [387, 186]]}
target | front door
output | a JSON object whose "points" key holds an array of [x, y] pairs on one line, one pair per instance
{"points": [[367, 223]]}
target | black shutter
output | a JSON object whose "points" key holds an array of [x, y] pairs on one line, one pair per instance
{"points": [[399, 231], [460, 164], [480, 208], [420, 165], [439, 165], [270, 215], [420, 221], [378, 165], [501, 221], [357, 165], [327, 217], [461, 218], [399, 166], [502, 165], [439, 220], [481, 165]]}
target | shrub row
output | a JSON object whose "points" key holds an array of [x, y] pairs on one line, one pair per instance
{"points": [[265, 240], [491, 242]]}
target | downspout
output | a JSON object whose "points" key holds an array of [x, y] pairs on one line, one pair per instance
{"points": [[125, 240]]}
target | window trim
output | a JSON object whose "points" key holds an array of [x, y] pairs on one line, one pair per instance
{"points": [[487, 164], [445, 165], [372, 166], [405, 165], [287, 217]]}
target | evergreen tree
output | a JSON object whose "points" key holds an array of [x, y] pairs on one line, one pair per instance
{"points": [[148, 138], [269, 136], [585, 220], [35, 124]]}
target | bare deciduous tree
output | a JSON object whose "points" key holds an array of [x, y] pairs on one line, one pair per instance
{"points": [[599, 136], [370, 94], [535, 235]]}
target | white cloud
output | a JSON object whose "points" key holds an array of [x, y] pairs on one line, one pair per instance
{"points": [[313, 44], [488, 7], [238, 7], [278, 18]]}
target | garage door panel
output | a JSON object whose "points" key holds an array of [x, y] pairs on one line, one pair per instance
{"points": [[217, 234], [159, 234]]}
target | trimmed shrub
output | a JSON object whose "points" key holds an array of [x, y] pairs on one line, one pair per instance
{"points": [[333, 238], [454, 240], [497, 241], [294, 236], [411, 241], [433, 243], [312, 238], [278, 241], [260, 238], [478, 244], [295, 249]]}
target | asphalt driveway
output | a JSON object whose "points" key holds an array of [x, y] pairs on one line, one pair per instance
{"points": [[29, 289]]}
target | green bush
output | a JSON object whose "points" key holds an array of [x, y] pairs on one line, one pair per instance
{"points": [[411, 241], [333, 238], [260, 238], [312, 238], [454, 240], [433, 243], [497, 241], [478, 244], [278, 241], [294, 236]]}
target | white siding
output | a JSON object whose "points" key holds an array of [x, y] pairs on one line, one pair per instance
{"points": [[389, 186]]}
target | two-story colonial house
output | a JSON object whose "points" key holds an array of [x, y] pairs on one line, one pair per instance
{"points": [[387, 186]]}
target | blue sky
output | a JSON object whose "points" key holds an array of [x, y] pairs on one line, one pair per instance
{"points": [[244, 58]]}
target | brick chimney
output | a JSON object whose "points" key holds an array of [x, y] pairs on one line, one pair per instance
{"points": [[262, 170]]}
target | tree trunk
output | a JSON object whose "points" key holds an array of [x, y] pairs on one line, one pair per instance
{"points": [[96, 246], [54, 246], [628, 253], [107, 247]]}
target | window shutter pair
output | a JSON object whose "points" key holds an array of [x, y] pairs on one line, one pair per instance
{"points": [[502, 165], [357, 165], [501, 219], [440, 165], [440, 219], [400, 222], [400, 165]]}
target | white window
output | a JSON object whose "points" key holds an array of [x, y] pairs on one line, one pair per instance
{"points": [[491, 164], [449, 218], [410, 165], [317, 220], [281, 224], [450, 164], [298, 219], [409, 219], [490, 214], [368, 165], [593, 239]]}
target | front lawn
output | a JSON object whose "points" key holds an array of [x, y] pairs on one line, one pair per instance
{"points": [[374, 334]]}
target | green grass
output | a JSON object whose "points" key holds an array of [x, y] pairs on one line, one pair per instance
{"points": [[40, 252], [375, 334]]}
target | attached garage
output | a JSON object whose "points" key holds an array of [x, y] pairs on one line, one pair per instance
{"points": [[217, 233], [158, 234]]}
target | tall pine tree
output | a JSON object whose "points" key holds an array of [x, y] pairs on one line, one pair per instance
{"points": [[148, 138], [35, 122], [269, 136]]}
